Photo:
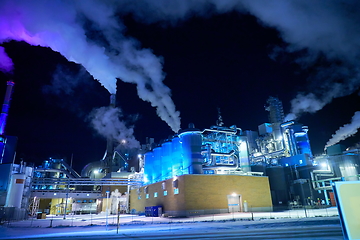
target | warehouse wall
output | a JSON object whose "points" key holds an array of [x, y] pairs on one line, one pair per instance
{"points": [[203, 194]]}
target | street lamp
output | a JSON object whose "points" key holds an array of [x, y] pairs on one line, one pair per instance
{"points": [[301, 181], [107, 208]]}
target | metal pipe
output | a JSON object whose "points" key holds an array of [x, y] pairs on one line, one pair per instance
{"points": [[113, 100], [220, 131]]}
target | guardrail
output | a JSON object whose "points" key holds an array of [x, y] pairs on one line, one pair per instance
{"points": [[86, 181]]}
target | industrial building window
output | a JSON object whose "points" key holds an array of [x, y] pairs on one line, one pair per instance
{"points": [[176, 191], [165, 193], [139, 197], [147, 195], [163, 186], [146, 190], [175, 183], [155, 194]]}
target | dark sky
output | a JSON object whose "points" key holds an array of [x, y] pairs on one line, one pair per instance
{"points": [[219, 61]]}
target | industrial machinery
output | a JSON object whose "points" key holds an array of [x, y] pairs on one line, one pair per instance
{"points": [[278, 150]]}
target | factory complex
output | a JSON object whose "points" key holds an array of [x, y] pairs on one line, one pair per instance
{"points": [[220, 169]]}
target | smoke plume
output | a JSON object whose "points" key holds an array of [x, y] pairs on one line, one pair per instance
{"points": [[314, 31], [106, 120], [345, 131], [65, 27], [326, 30], [6, 64]]}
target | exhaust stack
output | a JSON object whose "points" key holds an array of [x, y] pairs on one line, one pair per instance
{"points": [[112, 100], [108, 159], [6, 106]]}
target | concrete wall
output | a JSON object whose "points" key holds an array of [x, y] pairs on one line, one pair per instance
{"points": [[205, 194]]}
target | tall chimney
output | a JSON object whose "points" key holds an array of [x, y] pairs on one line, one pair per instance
{"points": [[6, 106], [110, 141], [112, 100]]}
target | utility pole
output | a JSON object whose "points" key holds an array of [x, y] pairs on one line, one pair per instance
{"points": [[300, 181]]}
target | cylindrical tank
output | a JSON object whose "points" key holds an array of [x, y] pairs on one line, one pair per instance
{"points": [[15, 191], [177, 162], [149, 167], [157, 164], [191, 148], [166, 167], [244, 157]]}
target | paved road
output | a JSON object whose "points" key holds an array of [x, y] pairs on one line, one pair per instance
{"points": [[324, 230], [284, 233]]}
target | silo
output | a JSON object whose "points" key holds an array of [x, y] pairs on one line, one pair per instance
{"points": [[166, 167], [191, 150], [15, 191], [149, 167], [157, 170], [176, 157], [244, 156]]}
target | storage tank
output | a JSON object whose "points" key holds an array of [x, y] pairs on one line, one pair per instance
{"points": [[191, 148], [166, 167], [157, 166], [15, 190], [244, 156], [177, 162], [149, 167]]}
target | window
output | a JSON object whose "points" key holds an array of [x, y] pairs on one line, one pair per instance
{"points": [[147, 195], [146, 190], [175, 183], [176, 191], [163, 185], [155, 194], [165, 193]]}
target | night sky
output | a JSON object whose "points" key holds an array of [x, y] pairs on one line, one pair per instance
{"points": [[226, 60]]}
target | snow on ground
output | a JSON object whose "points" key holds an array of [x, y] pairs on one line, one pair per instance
{"points": [[91, 224]]}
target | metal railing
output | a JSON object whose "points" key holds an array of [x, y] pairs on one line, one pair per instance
{"points": [[86, 182]]}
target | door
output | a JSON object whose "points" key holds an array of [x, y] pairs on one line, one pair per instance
{"points": [[234, 202]]}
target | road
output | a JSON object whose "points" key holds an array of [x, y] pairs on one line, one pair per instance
{"points": [[322, 229]]}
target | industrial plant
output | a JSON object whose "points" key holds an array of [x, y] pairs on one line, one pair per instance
{"points": [[219, 169]]}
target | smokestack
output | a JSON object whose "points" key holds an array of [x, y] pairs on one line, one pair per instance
{"points": [[112, 100], [110, 141], [6, 106]]}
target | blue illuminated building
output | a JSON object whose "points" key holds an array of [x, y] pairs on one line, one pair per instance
{"points": [[275, 150]]}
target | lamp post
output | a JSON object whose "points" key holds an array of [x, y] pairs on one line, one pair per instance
{"points": [[107, 208], [302, 189]]}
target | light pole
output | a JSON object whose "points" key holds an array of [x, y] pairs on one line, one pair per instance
{"points": [[302, 189], [66, 201], [107, 208]]}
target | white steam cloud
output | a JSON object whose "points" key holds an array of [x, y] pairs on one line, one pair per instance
{"points": [[6, 64], [106, 120], [64, 27], [345, 131], [326, 30]]}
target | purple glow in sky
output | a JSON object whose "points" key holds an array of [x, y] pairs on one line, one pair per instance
{"points": [[92, 33], [60, 25]]}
